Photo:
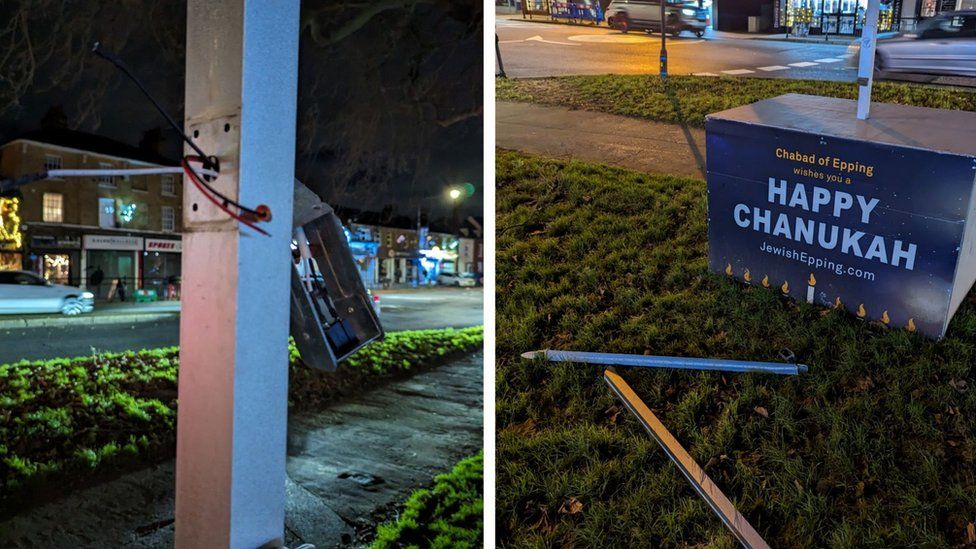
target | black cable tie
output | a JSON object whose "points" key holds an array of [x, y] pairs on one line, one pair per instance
{"points": [[114, 59]]}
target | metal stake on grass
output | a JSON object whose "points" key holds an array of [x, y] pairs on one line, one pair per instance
{"points": [[731, 517], [649, 361]]}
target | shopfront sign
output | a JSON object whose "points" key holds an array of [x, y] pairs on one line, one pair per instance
{"points": [[163, 245], [55, 242], [112, 242], [876, 217]]}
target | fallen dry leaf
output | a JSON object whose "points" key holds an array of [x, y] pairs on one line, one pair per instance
{"points": [[971, 533], [761, 411], [572, 506], [525, 428]]}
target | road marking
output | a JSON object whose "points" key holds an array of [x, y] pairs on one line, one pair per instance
{"points": [[704, 74], [828, 60], [803, 64], [619, 38], [773, 68], [738, 71], [538, 38]]}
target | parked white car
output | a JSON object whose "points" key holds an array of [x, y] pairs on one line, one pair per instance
{"points": [[465, 280], [26, 292]]}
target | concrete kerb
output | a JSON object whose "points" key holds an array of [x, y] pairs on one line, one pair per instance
{"points": [[81, 320]]}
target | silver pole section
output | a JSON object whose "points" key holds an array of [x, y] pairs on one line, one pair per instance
{"points": [[649, 361], [865, 64], [241, 93], [713, 496]]}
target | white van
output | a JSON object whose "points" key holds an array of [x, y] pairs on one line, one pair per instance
{"points": [[627, 15]]}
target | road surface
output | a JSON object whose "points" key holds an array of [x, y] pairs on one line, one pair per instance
{"points": [[401, 310], [533, 49]]}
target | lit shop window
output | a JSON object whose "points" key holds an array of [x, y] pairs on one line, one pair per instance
{"points": [[53, 211]]}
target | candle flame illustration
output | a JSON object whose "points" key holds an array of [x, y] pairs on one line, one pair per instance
{"points": [[885, 318], [838, 303], [785, 287], [747, 276], [765, 281], [911, 325], [812, 280], [728, 269], [861, 311]]}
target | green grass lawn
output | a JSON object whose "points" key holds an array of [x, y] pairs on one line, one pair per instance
{"points": [[875, 446], [447, 515], [63, 419], [687, 99]]}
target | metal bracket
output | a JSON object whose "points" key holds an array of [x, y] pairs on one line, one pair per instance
{"points": [[332, 315], [713, 496]]}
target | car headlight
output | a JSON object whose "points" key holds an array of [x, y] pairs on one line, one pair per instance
{"points": [[87, 295], [688, 11]]}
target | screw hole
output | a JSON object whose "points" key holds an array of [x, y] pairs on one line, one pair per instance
{"points": [[196, 133], [194, 206], [226, 128]]}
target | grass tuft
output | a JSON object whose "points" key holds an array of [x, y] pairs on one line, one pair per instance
{"points": [[875, 446], [687, 99], [448, 515]]}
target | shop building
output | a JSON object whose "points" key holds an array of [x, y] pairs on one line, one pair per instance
{"points": [[364, 242], [398, 255], [124, 228], [846, 17]]}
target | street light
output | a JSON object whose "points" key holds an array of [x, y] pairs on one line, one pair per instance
{"points": [[455, 195]]}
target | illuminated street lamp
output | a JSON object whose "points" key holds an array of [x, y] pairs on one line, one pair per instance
{"points": [[455, 195]]}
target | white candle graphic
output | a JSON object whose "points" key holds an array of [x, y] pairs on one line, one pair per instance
{"points": [[812, 281]]}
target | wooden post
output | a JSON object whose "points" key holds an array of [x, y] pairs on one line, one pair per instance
{"points": [[241, 94]]}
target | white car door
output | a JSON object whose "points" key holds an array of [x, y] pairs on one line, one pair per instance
{"points": [[35, 295], [8, 293]]}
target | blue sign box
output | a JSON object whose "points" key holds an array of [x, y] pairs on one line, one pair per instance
{"points": [[876, 216]]}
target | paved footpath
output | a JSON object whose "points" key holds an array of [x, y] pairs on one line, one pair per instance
{"points": [[347, 466], [561, 132]]}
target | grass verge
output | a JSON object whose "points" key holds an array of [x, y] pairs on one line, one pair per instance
{"points": [[875, 446], [74, 415], [687, 99], [447, 515]]}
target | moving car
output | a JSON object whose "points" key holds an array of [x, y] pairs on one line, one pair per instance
{"points": [[942, 45], [465, 280], [626, 15], [26, 292]]}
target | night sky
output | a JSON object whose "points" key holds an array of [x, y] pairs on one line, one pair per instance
{"points": [[389, 109]]}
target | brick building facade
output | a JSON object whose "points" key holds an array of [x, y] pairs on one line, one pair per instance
{"points": [[66, 229]]}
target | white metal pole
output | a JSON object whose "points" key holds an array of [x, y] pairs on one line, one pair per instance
{"points": [[865, 64], [241, 93]]}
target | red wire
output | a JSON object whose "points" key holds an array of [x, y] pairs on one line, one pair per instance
{"points": [[196, 182]]}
